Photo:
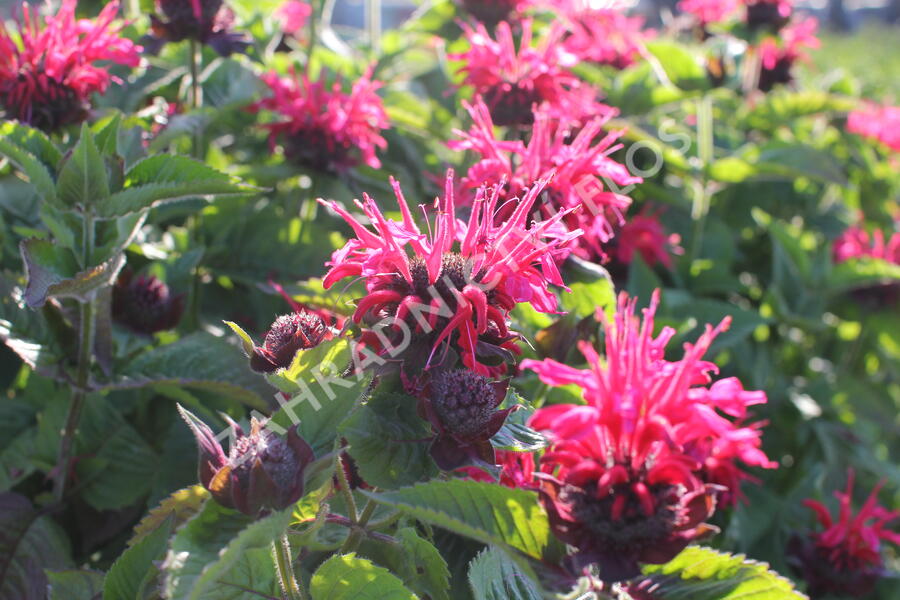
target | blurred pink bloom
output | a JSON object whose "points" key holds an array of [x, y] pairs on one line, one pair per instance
{"points": [[631, 474], [770, 14], [709, 11], [605, 36], [856, 243], [516, 470], [457, 283], [778, 55], [881, 123], [643, 233], [293, 15], [47, 74], [513, 81], [210, 22], [845, 557], [491, 12], [325, 128], [574, 160]]}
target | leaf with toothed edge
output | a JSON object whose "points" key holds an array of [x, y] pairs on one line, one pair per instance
{"points": [[493, 576], [349, 577], [52, 271], [33, 154], [83, 181]]}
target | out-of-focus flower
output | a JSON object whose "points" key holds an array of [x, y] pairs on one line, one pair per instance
{"points": [[844, 558], [709, 11], [631, 475], [261, 472], [574, 160], [856, 243], [458, 282], [491, 12], [48, 73], [880, 123], [516, 470], [778, 56], [209, 22], [293, 15], [145, 304], [322, 127], [512, 81], [643, 233], [288, 335], [768, 14], [605, 36], [462, 408]]}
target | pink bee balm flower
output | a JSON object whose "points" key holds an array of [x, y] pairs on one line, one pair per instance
{"points": [[778, 56], [322, 127], [513, 81], [769, 14], [457, 283], [644, 234], [606, 37], [880, 123], [293, 15], [47, 74], [856, 243], [583, 175], [844, 558], [209, 22], [630, 476], [709, 11]]}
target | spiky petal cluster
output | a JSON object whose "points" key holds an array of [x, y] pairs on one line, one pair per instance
{"points": [[583, 174], [206, 21], [605, 36], [321, 126], [855, 242], [458, 282], [644, 234], [462, 408], [261, 472], [876, 122], [709, 11], [631, 475], [516, 470], [145, 304], [844, 558], [288, 335], [48, 73], [779, 55], [513, 81]]}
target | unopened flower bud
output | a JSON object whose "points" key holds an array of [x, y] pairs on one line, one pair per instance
{"points": [[288, 335], [145, 304]]}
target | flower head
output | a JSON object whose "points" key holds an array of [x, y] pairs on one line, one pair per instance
{"points": [[630, 477], [855, 242], [462, 408], [516, 470], [322, 127], [769, 14], [145, 304], [512, 81], [876, 122], [491, 12], [48, 73], [289, 334], [293, 15], [779, 55], [605, 36], [709, 11], [574, 159], [206, 21], [457, 283], [261, 472], [644, 234], [844, 558]]}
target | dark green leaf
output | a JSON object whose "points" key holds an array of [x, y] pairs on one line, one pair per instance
{"points": [[53, 272], [34, 154], [129, 575], [83, 180], [75, 585]]}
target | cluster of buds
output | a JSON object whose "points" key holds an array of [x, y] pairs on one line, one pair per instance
{"points": [[145, 304], [209, 22], [262, 471], [288, 335]]}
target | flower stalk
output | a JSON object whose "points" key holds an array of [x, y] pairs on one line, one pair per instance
{"points": [[290, 587]]}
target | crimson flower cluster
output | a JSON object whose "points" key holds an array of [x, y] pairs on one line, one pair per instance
{"points": [[707, 12], [575, 159], [288, 335], [49, 72], [643, 234], [145, 304], [631, 476], [513, 81], [844, 557], [778, 55], [876, 122], [456, 284], [322, 127], [605, 36], [855, 242]]}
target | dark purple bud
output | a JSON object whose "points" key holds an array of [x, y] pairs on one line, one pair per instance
{"points": [[464, 404], [288, 335], [145, 304], [207, 21], [263, 471]]}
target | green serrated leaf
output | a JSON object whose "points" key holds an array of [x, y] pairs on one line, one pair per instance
{"points": [[108, 136], [53, 272], [700, 573], [37, 172], [489, 513], [167, 178], [348, 577], [389, 442], [419, 564], [246, 341], [83, 180], [518, 437], [494, 576], [181, 505], [135, 566]]}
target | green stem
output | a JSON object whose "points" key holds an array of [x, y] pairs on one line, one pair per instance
{"points": [[290, 587], [373, 24], [195, 222], [358, 531], [86, 328], [194, 61], [313, 20], [705, 147], [346, 492]]}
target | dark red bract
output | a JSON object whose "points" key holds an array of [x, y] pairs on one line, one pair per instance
{"points": [[145, 304], [288, 335]]}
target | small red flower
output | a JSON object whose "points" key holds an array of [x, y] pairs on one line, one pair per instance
{"points": [[145, 304], [630, 477], [293, 15], [644, 234], [605, 36], [48, 73], [709, 11], [876, 122], [261, 472], [779, 55], [512, 81], [844, 558], [323, 127], [288, 335], [516, 470], [769, 14], [209, 22], [856, 243], [457, 283], [575, 160]]}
